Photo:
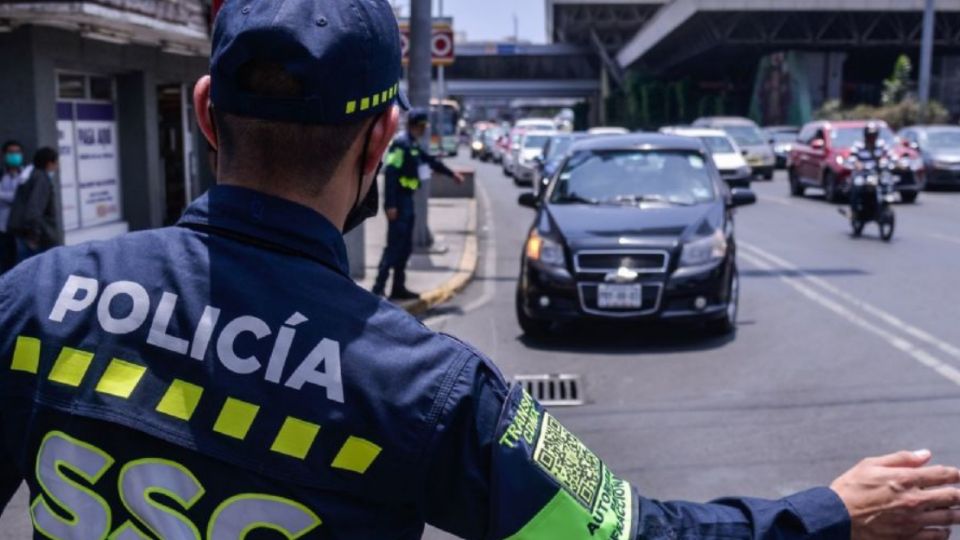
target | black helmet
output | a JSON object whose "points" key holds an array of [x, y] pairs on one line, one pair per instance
{"points": [[418, 115], [872, 129]]}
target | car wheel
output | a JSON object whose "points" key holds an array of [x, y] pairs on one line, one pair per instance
{"points": [[531, 327], [768, 176], [727, 324], [796, 188], [909, 197], [830, 190]]}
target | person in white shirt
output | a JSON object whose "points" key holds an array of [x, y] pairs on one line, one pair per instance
{"points": [[14, 174]]}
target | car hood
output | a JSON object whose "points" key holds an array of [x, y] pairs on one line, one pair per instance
{"points": [[729, 161], [589, 226], [949, 156]]}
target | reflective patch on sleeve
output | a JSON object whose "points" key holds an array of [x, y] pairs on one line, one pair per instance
{"points": [[578, 497]]}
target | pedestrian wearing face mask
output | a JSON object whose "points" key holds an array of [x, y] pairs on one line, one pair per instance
{"points": [[35, 213], [14, 174]]}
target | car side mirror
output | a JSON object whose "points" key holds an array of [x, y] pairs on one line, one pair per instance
{"points": [[818, 144], [742, 197], [529, 200]]}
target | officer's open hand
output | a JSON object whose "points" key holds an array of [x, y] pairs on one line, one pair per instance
{"points": [[898, 497], [392, 214]]}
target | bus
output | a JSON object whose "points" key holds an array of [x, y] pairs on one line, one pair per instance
{"points": [[444, 127]]}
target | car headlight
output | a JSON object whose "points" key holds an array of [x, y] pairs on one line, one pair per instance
{"points": [[544, 250], [704, 250], [477, 146], [841, 161]]}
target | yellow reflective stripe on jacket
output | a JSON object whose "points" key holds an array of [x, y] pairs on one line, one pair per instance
{"points": [[395, 158], [410, 183]]}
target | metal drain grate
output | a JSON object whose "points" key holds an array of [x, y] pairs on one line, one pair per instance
{"points": [[554, 390]]}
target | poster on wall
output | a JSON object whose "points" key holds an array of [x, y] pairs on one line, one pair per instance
{"points": [[68, 167], [97, 164]]}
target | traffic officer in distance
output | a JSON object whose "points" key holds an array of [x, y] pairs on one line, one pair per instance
{"points": [[407, 165], [869, 152], [231, 364]]}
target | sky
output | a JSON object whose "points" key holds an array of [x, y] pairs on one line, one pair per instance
{"points": [[492, 20]]}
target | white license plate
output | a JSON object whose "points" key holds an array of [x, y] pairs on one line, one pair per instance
{"points": [[619, 296]]}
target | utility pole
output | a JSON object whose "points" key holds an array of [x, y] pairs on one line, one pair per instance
{"points": [[419, 78], [926, 58]]}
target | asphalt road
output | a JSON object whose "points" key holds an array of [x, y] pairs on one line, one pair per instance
{"points": [[846, 348]]}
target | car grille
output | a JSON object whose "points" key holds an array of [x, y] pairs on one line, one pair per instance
{"points": [[651, 295], [644, 262]]}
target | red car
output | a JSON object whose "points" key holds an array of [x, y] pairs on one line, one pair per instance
{"points": [[819, 157]]}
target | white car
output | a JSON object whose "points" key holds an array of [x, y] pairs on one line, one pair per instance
{"points": [[608, 130], [537, 124], [532, 144], [727, 156]]}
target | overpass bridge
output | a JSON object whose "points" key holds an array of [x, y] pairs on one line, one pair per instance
{"points": [[843, 48]]}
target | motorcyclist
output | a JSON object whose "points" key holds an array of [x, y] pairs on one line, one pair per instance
{"points": [[866, 154]]}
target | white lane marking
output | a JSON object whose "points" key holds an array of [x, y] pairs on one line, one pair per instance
{"points": [[865, 306], [945, 238], [489, 265], [919, 355]]}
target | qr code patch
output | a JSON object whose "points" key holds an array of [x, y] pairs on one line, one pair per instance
{"points": [[562, 455]]}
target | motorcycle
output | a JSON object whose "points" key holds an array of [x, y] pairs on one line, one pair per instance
{"points": [[875, 180]]}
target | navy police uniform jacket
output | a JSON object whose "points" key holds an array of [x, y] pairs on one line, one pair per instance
{"points": [[402, 173], [226, 379]]}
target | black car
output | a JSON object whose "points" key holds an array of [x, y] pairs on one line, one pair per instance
{"points": [[633, 228], [940, 148]]}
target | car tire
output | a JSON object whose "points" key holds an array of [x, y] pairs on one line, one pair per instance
{"points": [[909, 197], [531, 327], [768, 176], [830, 190], [727, 324], [796, 188]]}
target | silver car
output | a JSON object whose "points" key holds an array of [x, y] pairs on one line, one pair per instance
{"points": [[750, 138]]}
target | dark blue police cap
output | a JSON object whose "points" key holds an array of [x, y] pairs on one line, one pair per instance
{"points": [[345, 54]]}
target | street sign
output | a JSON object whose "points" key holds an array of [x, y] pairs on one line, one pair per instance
{"points": [[441, 44]]}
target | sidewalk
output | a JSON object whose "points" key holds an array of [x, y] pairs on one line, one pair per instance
{"points": [[450, 266]]}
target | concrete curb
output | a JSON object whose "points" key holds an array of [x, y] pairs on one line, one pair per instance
{"points": [[464, 274]]}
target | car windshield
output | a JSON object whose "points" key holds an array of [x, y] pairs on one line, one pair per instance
{"points": [[944, 140], [849, 136], [531, 142], [631, 177], [745, 135], [784, 137], [718, 145], [559, 146]]}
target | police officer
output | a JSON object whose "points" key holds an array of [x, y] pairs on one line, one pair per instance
{"points": [[225, 378], [407, 165]]}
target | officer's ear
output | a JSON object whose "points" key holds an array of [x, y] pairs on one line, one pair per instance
{"points": [[384, 128], [204, 110]]}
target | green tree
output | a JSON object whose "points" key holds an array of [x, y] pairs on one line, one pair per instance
{"points": [[896, 87]]}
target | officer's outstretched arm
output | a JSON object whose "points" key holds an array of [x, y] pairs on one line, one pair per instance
{"points": [[503, 467]]}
